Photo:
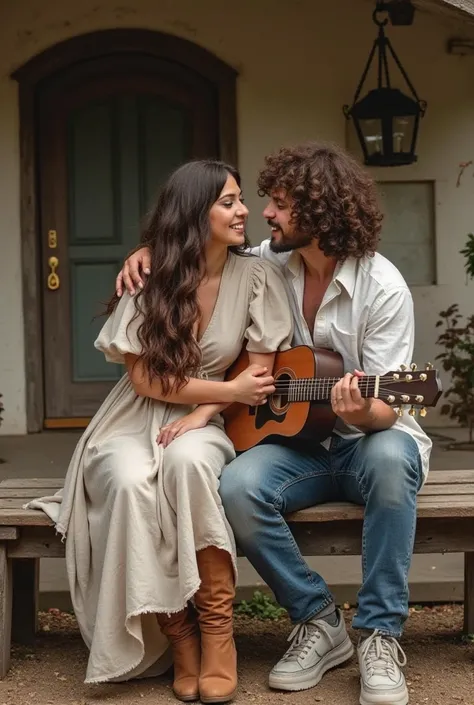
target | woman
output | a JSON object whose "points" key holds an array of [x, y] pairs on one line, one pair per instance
{"points": [[143, 517]]}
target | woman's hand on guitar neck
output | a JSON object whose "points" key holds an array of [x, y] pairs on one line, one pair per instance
{"points": [[252, 386], [368, 414]]}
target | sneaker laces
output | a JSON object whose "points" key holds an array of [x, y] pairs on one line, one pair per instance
{"points": [[303, 637], [380, 654]]}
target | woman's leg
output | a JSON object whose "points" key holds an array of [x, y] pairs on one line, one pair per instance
{"points": [[192, 467], [182, 630], [214, 601]]}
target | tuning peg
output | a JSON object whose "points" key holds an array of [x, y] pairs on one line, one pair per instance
{"points": [[403, 368], [408, 378], [423, 412], [405, 398], [399, 411], [390, 398], [419, 398], [429, 366], [423, 377], [412, 411], [396, 376], [413, 366]]}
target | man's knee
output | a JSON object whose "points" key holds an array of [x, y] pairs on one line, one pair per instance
{"points": [[237, 481], [392, 468], [243, 480]]}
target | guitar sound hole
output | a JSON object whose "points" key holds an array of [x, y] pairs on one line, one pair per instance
{"points": [[279, 402], [275, 409]]}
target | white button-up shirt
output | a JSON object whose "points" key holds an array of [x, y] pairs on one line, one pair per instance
{"points": [[366, 315]]}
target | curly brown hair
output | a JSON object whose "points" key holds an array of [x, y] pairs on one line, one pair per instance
{"points": [[333, 198], [176, 231]]}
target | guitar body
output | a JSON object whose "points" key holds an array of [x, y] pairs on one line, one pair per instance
{"points": [[280, 418]]}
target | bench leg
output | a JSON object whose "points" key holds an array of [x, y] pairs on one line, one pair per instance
{"points": [[25, 600], [5, 610], [469, 592]]}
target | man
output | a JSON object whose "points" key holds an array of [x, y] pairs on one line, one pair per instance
{"points": [[325, 226]]}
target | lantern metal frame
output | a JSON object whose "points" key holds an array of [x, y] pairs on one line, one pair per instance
{"points": [[385, 103]]}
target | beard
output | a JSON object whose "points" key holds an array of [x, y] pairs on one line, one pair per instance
{"points": [[288, 243]]}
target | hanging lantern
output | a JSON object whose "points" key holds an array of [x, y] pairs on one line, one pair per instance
{"points": [[386, 120]]}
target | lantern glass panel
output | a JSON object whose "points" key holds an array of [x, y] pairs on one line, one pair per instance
{"points": [[372, 133], [403, 127]]}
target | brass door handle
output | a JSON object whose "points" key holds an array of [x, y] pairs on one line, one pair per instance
{"points": [[53, 278]]}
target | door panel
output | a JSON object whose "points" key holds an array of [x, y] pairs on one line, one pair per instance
{"points": [[108, 140], [90, 284]]}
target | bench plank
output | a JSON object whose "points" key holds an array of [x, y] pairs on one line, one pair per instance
{"points": [[443, 489], [37, 542], [24, 517], [450, 476], [429, 489], [8, 533], [27, 492], [428, 507], [446, 535], [433, 488], [447, 476], [36, 482], [13, 503]]}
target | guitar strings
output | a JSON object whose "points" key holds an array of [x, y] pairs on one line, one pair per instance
{"points": [[328, 384], [315, 381], [293, 388]]}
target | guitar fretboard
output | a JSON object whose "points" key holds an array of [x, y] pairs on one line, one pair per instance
{"points": [[319, 388]]}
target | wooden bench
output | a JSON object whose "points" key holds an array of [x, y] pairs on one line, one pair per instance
{"points": [[445, 524]]}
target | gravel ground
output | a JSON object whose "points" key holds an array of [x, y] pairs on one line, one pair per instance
{"points": [[440, 667]]}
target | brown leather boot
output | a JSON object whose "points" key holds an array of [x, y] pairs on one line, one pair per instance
{"points": [[183, 632], [218, 679]]}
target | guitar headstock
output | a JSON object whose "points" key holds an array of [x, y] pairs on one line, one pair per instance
{"points": [[410, 386]]}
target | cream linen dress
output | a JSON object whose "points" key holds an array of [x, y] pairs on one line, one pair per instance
{"points": [[134, 513]]}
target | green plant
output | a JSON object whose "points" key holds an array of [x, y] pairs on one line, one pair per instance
{"points": [[458, 356], [468, 253], [458, 359], [261, 606]]}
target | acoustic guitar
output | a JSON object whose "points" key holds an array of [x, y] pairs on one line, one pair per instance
{"points": [[300, 408]]}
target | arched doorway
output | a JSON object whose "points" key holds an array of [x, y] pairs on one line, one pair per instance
{"points": [[104, 118]]}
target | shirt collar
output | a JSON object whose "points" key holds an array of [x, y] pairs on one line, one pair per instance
{"points": [[345, 274], [293, 263]]}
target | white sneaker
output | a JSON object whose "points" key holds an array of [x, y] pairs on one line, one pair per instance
{"points": [[381, 680], [316, 646]]}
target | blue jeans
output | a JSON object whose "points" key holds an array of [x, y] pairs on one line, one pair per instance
{"points": [[381, 471]]}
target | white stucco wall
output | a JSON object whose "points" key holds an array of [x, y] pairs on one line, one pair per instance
{"points": [[298, 64]]}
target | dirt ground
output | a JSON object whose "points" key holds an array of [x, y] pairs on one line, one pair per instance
{"points": [[440, 667]]}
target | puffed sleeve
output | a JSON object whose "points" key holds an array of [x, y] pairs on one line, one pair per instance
{"points": [[119, 334], [271, 321]]}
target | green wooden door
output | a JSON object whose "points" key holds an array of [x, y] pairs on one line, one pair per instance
{"points": [[106, 148]]}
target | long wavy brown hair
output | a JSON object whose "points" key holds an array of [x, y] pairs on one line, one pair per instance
{"points": [[333, 198], [176, 231]]}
